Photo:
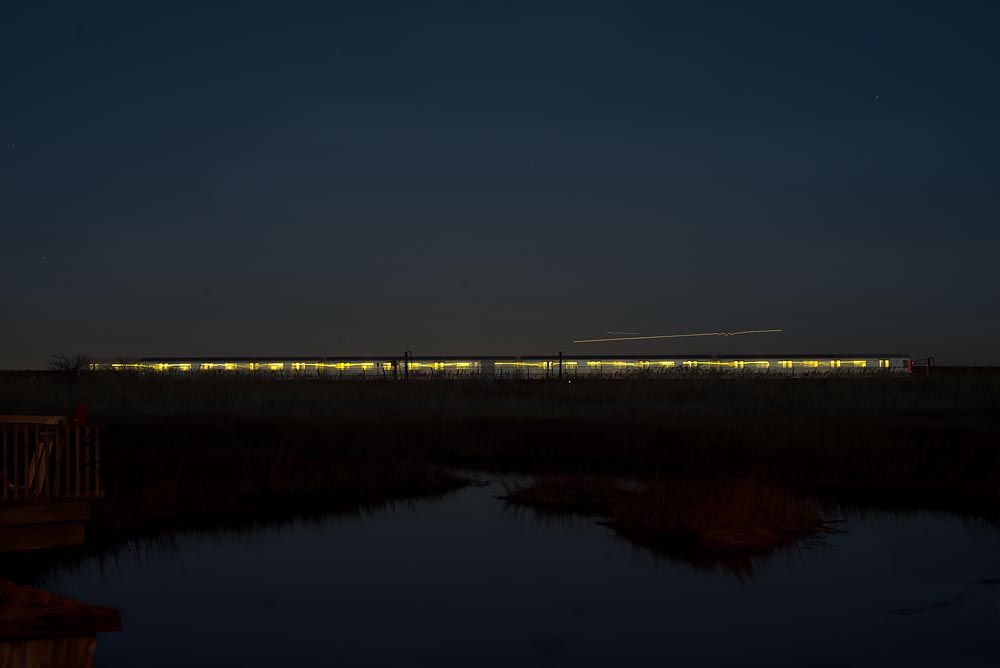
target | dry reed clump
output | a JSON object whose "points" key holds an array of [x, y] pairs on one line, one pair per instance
{"points": [[745, 515], [581, 495], [706, 515]]}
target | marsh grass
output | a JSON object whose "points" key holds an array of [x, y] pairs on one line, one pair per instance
{"points": [[110, 548], [718, 515], [176, 394], [922, 442], [733, 524]]}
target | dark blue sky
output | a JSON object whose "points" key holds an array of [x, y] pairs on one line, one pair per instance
{"points": [[475, 178]]}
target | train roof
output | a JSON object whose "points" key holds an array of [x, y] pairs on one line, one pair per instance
{"points": [[486, 358]]}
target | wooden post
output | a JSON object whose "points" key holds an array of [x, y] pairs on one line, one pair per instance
{"points": [[22, 437], [36, 481], [15, 469], [26, 463], [42, 455], [86, 465], [64, 438], [560, 364], [56, 461], [50, 460], [96, 435], [76, 447], [29, 474], [24, 469]]}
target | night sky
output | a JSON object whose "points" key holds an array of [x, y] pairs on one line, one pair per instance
{"points": [[474, 178]]}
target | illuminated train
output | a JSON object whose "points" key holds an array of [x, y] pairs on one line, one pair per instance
{"points": [[513, 367]]}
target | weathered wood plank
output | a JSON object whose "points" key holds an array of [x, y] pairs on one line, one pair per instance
{"points": [[72, 652], [3, 467], [32, 419], [26, 612], [25, 538], [22, 513]]}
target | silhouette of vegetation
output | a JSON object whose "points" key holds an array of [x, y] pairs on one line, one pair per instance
{"points": [[70, 364], [920, 441], [736, 515], [70, 367], [732, 524], [208, 476]]}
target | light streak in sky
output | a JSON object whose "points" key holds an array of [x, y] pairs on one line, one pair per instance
{"points": [[681, 336]]}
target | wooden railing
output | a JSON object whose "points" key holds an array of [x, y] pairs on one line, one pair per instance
{"points": [[43, 457]]}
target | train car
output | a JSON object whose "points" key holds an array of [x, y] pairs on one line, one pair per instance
{"points": [[526, 367]]}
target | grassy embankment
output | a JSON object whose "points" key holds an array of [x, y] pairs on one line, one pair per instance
{"points": [[189, 447]]}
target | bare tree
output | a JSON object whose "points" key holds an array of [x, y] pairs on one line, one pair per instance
{"points": [[71, 364]]}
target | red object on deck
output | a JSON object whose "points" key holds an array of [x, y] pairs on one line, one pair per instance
{"points": [[79, 414]]}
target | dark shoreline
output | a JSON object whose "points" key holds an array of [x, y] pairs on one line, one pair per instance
{"points": [[225, 451], [951, 464]]}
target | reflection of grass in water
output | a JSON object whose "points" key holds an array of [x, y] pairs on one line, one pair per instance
{"points": [[232, 478], [728, 523], [113, 548], [744, 565]]}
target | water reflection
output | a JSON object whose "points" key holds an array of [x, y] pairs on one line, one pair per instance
{"points": [[462, 581]]}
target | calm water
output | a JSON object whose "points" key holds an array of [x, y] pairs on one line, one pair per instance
{"points": [[463, 582]]}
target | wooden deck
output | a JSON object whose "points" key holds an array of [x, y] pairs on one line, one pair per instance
{"points": [[30, 525], [42, 629], [50, 470], [47, 457]]}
